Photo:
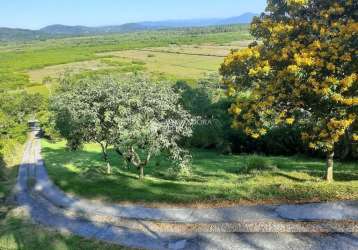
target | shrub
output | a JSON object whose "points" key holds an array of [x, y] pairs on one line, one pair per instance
{"points": [[74, 144], [255, 164], [204, 101]]}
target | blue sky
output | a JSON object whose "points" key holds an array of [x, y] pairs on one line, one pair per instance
{"points": [[38, 13]]}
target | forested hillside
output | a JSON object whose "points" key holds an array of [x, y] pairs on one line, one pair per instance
{"points": [[58, 30]]}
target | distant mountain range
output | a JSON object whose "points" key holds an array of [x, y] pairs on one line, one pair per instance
{"points": [[58, 30]]}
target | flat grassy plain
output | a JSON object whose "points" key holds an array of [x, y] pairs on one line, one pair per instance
{"points": [[18, 61], [216, 179], [55, 71], [185, 62], [179, 66]]}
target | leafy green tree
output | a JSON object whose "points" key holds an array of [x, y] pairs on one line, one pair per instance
{"points": [[21, 106], [151, 121], [139, 118], [303, 70], [47, 121], [87, 112]]}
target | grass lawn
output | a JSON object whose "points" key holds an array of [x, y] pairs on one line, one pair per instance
{"points": [[8, 171], [215, 178]]}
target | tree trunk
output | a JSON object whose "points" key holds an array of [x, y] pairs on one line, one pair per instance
{"points": [[346, 145], [105, 157], [109, 169], [141, 172], [329, 176]]}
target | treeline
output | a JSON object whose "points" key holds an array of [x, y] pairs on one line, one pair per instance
{"points": [[15, 111], [215, 29]]}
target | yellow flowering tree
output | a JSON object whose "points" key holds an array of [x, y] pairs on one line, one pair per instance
{"points": [[302, 69]]}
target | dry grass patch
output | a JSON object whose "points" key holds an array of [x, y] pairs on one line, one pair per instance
{"points": [[37, 75], [181, 66]]}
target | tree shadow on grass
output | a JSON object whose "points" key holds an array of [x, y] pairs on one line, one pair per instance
{"points": [[87, 181], [345, 176], [290, 177], [316, 168], [341, 175], [123, 185]]}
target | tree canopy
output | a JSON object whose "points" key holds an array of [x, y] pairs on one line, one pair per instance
{"points": [[151, 122], [302, 69], [87, 111], [137, 117]]}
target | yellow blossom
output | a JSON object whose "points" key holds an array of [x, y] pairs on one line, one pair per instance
{"points": [[263, 131], [290, 120], [253, 72], [322, 55], [293, 69], [297, 2], [235, 110], [355, 137], [255, 135]]}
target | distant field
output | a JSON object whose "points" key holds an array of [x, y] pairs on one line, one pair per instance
{"points": [[23, 64], [214, 50], [176, 61], [37, 75]]}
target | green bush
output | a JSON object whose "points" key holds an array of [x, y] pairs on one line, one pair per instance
{"points": [[204, 101], [74, 144], [256, 164], [18, 132], [47, 125]]}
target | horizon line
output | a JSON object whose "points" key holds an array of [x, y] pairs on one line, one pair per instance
{"points": [[130, 22]]}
